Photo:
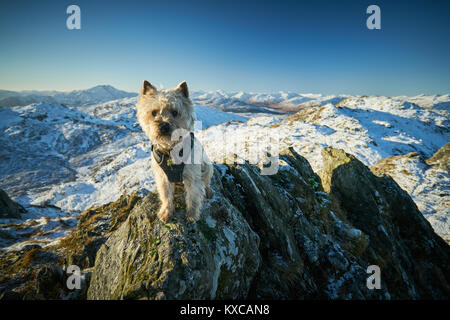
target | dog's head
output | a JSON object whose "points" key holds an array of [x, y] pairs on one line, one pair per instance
{"points": [[161, 112]]}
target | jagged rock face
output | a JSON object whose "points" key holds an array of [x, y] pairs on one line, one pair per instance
{"points": [[308, 250], [426, 181], [94, 227], [8, 208], [415, 262], [260, 237], [279, 237], [146, 259]]}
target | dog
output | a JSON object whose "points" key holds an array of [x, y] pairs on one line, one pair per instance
{"points": [[163, 115]]}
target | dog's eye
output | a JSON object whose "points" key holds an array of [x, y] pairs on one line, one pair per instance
{"points": [[154, 113], [174, 113]]}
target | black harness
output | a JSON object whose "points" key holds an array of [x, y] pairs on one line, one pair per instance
{"points": [[174, 172]]}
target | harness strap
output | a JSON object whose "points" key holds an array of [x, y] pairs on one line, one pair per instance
{"points": [[174, 172]]}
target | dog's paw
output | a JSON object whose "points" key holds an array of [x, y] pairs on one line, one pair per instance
{"points": [[192, 215], [164, 214]]}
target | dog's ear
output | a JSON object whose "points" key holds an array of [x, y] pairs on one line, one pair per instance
{"points": [[183, 88], [148, 89]]}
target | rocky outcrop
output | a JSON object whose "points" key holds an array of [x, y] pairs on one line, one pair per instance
{"points": [[33, 273], [39, 273], [215, 258], [8, 208], [292, 235], [441, 158], [94, 227], [308, 250], [426, 181], [279, 237], [414, 260]]}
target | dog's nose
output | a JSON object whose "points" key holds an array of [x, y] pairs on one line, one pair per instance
{"points": [[164, 128]]}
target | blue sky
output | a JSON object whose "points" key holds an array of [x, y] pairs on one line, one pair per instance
{"points": [[302, 46]]}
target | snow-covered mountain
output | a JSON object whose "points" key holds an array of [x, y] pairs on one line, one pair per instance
{"points": [[75, 156], [93, 95], [272, 103]]}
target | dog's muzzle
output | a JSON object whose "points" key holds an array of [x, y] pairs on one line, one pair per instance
{"points": [[164, 128]]}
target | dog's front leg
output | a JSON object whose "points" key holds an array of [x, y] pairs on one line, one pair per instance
{"points": [[194, 191], [165, 191], [194, 199], [207, 173]]}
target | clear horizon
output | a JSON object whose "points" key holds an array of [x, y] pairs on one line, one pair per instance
{"points": [[321, 46], [228, 91]]}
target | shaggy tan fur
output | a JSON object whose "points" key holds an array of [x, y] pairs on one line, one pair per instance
{"points": [[160, 113]]}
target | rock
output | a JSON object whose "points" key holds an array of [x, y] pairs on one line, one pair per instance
{"points": [[146, 259], [308, 251], [441, 158], [426, 181], [8, 208], [50, 282], [415, 262], [94, 227], [291, 235], [32, 273]]}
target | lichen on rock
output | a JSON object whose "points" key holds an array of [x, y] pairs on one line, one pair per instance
{"points": [[291, 235], [146, 259]]}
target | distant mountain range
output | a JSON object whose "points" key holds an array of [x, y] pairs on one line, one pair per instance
{"points": [[238, 102], [241, 102], [97, 94]]}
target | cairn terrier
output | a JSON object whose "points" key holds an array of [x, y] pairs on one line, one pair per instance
{"points": [[167, 118]]}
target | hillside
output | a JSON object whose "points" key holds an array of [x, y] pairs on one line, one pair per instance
{"points": [[63, 164], [260, 237]]}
